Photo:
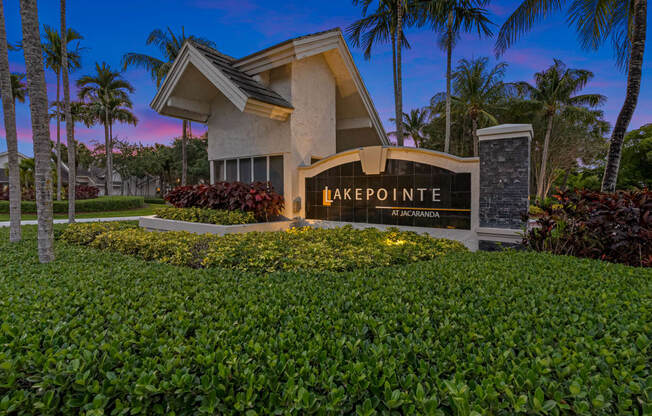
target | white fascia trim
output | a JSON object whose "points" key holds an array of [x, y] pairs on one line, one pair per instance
{"points": [[189, 54]]}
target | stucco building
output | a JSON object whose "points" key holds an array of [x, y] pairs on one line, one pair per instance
{"points": [[272, 111]]}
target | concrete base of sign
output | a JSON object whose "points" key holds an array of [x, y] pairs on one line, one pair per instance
{"points": [[153, 223]]}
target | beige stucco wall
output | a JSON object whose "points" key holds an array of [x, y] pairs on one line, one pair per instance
{"points": [[232, 133]]}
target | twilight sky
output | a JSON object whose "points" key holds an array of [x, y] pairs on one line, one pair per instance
{"points": [[240, 27]]}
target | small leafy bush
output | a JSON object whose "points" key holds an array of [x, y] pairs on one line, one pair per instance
{"points": [[612, 227], [103, 203], [86, 192], [85, 233], [507, 333], [257, 197], [207, 216], [305, 248]]}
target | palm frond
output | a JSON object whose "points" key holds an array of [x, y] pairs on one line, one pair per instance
{"points": [[522, 20]]}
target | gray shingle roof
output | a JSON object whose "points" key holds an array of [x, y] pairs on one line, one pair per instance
{"points": [[249, 86]]}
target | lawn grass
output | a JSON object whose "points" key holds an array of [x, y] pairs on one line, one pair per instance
{"points": [[97, 332], [148, 209]]}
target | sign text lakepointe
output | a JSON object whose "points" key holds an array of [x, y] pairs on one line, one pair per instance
{"points": [[407, 193]]}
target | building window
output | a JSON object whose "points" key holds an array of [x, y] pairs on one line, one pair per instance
{"points": [[251, 169], [232, 170], [245, 170]]}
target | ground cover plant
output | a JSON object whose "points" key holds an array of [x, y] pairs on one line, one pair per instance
{"points": [[615, 227], [258, 197], [103, 203], [335, 249], [204, 215], [97, 332]]}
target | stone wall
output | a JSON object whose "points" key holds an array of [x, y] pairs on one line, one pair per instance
{"points": [[504, 187]]}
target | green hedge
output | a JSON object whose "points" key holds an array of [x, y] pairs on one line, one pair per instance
{"points": [[207, 216], [103, 203], [467, 334], [154, 200], [296, 249]]}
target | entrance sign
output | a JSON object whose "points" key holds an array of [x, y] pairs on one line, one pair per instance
{"points": [[408, 187]]}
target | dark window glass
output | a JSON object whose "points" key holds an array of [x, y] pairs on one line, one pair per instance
{"points": [[245, 170], [260, 169], [218, 166], [231, 170], [276, 173]]}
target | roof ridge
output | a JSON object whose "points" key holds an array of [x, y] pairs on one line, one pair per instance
{"points": [[276, 45], [210, 49]]}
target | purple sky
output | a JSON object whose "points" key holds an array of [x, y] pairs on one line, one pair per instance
{"points": [[240, 27]]}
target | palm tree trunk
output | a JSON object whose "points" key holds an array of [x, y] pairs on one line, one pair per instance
{"points": [[476, 140], [9, 110], [184, 156], [449, 56], [394, 71], [38, 103], [399, 79], [70, 123], [107, 174], [541, 180], [58, 138], [631, 98]]}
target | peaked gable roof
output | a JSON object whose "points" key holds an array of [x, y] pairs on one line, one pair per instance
{"points": [[246, 83], [235, 77]]}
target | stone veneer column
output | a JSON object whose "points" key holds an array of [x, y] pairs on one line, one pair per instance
{"points": [[504, 184]]}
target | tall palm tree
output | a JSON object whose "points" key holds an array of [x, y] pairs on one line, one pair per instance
{"points": [[169, 45], [624, 23], [70, 122], [38, 104], [555, 93], [108, 93], [8, 96], [451, 18], [53, 54], [385, 25]]}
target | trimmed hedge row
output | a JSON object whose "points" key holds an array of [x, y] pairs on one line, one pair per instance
{"points": [[103, 203], [471, 333], [207, 216], [306, 248], [154, 200]]}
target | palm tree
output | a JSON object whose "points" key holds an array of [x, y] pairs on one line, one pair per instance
{"points": [[18, 87], [555, 93], [169, 45], [596, 21], [53, 53], [40, 132], [383, 26], [7, 82], [414, 123], [70, 122], [107, 93], [450, 18]]}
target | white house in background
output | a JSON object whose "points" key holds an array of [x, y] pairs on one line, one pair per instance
{"points": [[272, 111], [4, 162]]}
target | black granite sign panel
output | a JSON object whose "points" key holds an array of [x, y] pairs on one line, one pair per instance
{"points": [[407, 193]]}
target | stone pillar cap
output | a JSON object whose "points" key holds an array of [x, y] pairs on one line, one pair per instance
{"points": [[505, 131]]}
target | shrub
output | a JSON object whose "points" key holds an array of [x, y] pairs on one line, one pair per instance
{"points": [[208, 216], [85, 192], [296, 249], [86, 233], [103, 203], [258, 197], [613, 227], [467, 334]]}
